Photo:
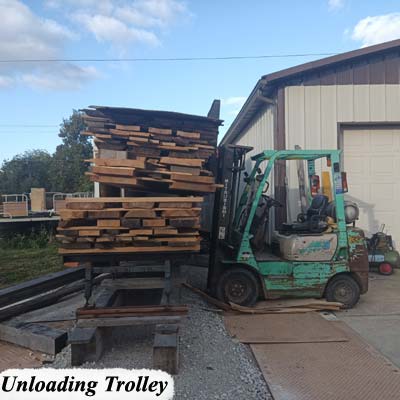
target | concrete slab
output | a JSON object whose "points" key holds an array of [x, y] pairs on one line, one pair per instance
{"points": [[377, 316]]}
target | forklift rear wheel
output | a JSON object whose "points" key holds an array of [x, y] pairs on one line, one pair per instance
{"points": [[239, 286], [344, 289], [385, 269]]}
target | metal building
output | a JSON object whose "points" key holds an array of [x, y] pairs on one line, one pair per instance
{"points": [[349, 101]]}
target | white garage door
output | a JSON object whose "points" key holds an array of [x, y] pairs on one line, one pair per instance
{"points": [[372, 163]]}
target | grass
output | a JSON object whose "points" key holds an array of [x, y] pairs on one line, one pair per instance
{"points": [[27, 257]]}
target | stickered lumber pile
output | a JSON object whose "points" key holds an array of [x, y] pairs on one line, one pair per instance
{"points": [[130, 225], [157, 151]]}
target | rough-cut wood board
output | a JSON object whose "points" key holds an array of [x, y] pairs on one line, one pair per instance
{"points": [[34, 336], [107, 213], [193, 212], [127, 127], [113, 180], [36, 286], [86, 232], [72, 214], [102, 200], [135, 232], [175, 205], [195, 187], [115, 223], [160, 131], [186, 162], [154, 222], [111, 162], [165, 231], [194, 179], [131, 223], [283, 328], [190, 135], [132, 204], [183, 169], [84, 205], [140, 213], [120, 171], [130, 249]]}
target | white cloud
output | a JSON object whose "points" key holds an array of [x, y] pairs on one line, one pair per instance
{"points": [[377, 29], [110, 29], [25, 35], [68, 77], [121, 22], [336, 4], [232, 105]]}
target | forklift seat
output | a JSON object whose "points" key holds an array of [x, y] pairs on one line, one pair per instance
{"points": [[314, 221]]}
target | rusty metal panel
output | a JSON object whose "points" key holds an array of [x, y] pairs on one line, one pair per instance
{"points": [[328, 371], [13, 356], [282, 328]]}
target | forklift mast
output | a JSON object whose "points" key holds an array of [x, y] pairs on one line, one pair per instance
{"points": [[231, 164]]}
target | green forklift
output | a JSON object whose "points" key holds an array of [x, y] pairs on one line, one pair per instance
{"points": [[321, 254]]}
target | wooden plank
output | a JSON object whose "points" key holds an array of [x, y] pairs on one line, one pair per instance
{"points": [[114, 180], [137, 232], [106, 213], [109, 223], [175, 205], [190, 135], [34, 336], [84, 205], [165, 231], [36, 286], [102, 200], [120, 171], [127, 127], [186, 162], [48, 298], [193, 212], [131, 223], [128, 321], [160, 131], [188, 170], [140, 213], [193, 187], [166, 349], [141, 205], [194, 179], [131, 310], [154, 222], [131, 249], [87, 232], [184, 222], [72, 214], [111, 162]]}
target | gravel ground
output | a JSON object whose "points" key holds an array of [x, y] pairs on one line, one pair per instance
{"points": [[212, 364]]}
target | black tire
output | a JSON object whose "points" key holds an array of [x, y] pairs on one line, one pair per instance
{"points": [[239, 286], [344, 289]]}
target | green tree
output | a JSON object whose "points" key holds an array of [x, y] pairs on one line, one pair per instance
{"points": [[68, 166], [24, 171]]}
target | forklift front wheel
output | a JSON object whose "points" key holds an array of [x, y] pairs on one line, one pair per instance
{"points": [[343, 289], [239, 286]]}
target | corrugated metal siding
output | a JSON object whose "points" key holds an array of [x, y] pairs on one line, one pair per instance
{"points": [[313, 112], [260, 133]]}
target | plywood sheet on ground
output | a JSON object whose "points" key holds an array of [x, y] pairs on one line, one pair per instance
{"points": [[12, 356], [282, 328], [328, 371]]}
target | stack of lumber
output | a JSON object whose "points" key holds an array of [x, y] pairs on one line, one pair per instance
{"points": [[129, 225], [154, 151]]}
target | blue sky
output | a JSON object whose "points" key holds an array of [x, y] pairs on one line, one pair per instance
{"points": [[45, 93]]}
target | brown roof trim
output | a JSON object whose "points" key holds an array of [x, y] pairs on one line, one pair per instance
{"points": [[330, 61]]}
